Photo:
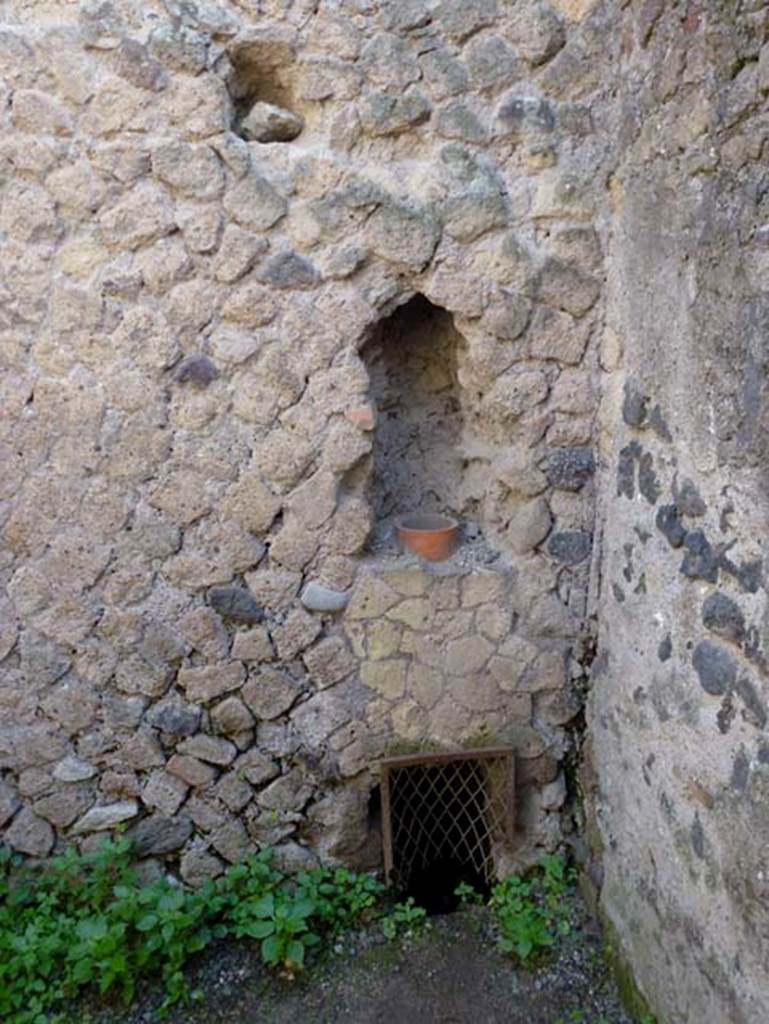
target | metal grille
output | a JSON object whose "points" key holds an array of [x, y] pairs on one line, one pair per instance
{"points": [[439, 807]]}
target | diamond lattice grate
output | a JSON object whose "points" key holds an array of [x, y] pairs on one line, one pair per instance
{"points": [[446, 806]]}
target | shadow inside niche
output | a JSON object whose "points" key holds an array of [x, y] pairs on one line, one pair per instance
{"points": [[417, 463]]}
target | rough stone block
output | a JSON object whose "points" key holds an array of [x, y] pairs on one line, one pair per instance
{"points": [[317, 718], [570, 547], [164, 792], [557, 335], [231, 717], [567, 288], [204, 684], [238, 252], [253, 645], [199, 107], [387, 678], [30, 834], [266, 122], [141, 216], [413, 613], [175, 716], [270, 693], [190, 770], [390, 113], [403, 235], [158, 836], [297, 633], [256, 767], [236, 603], [106, 816], [570, 468], [62, 807], [234, 791], [38, 113], [198, 866], [371, 598], [254, 203], [231, 841], [329, 661]]}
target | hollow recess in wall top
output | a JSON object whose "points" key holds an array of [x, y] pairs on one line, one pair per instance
{"points": [[260, 84]]}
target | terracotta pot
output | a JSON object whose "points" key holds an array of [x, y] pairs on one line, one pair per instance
{"points": [[429, 535]]}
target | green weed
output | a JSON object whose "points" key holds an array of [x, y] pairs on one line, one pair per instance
{"points": [[469, 896], [531, 913], [84, 922], [404, 918]]}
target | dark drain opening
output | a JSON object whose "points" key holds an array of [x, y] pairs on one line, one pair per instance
{"points": [[445, 816]]}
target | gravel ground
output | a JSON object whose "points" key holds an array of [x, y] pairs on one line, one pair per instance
{"points": [[450, 974]]}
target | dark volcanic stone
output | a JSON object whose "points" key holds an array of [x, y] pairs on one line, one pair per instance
{"points": [[289, 270], [569, 469], [726, 714], [197, 369], [716, 668], [633, 407], [689, 500], [668, 522], [174, 716], [134, 63], [665, 649], [570, 546], [159, 835], [235, 603], [658, 424], [626, 470], [748, 574], [648, 484], [755, 708], [724, 617], [700, 562], [740, 771], [698, 837]]}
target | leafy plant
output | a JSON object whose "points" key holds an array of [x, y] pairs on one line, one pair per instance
{"points": [[404, 917], [530, 914], [280, 920], [84, 922], [468, 895], [342, 898]]}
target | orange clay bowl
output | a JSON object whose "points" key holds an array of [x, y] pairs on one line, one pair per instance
{"points": [[429, 535]]}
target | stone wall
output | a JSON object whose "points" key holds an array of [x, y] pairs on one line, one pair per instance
{"points": [[210, 214], [254, 254], [678, 710]]}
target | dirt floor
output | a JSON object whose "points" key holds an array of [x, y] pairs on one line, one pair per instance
{"points": [[450, 974]]}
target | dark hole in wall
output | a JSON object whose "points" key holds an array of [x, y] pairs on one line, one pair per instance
{"points": [[412, 362], [375, 810], [440, 833]]}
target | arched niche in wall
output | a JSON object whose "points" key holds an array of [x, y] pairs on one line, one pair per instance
{"points": [[417, 460]]}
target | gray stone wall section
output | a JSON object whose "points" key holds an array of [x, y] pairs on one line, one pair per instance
{"points": [[677, 715]]}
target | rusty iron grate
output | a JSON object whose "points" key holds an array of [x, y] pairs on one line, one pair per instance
{"points": [[454, 807]]}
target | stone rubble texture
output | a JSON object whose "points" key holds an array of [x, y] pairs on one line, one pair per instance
{"points": [[213, 218]]}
